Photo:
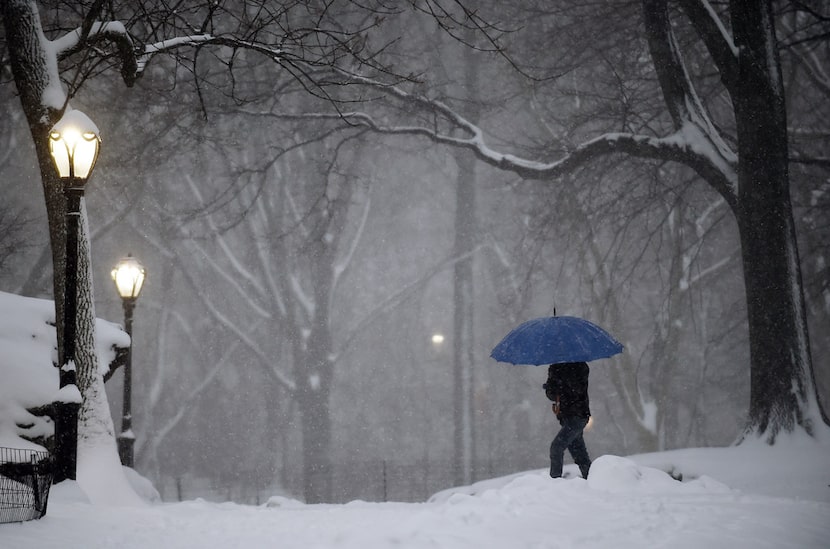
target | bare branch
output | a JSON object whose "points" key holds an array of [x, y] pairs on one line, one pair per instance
{"points": [[718, 41], [687, 146], [811, 160]]}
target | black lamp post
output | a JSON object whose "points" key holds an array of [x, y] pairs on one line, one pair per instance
{"points": [[74, 145], [128, 275]]}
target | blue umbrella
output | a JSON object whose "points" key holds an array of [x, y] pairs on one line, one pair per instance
{"points": [[556, 339]]}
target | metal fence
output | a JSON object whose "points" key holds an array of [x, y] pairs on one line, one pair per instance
{"points": [[416, 481], [25, 479], [368, 480]]}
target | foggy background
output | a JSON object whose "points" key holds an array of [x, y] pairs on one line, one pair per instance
{"points": [[271, 242]]}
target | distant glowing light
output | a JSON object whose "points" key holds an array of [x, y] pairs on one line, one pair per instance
{"points": [[437, 339], [128, 275]]}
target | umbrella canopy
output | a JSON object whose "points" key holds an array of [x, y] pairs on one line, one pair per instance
{"points": [[556, 339]]}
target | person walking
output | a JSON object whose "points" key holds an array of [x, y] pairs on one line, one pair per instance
{"points": [[567, 387]]}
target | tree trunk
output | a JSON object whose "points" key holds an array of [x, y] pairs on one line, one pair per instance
{"points": [[314, 376], [781, 384], [782, 391], [463, 341], [667, 344], [315, 369], [34, 71], [313, 404], [463, 327]]}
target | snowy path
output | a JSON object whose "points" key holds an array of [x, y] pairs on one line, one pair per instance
{"points": [[623, 505]]}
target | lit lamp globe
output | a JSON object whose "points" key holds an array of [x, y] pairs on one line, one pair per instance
{"points": [[128, 275], [74, 144]]}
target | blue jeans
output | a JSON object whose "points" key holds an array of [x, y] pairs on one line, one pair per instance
{"points": [[570, 438]]}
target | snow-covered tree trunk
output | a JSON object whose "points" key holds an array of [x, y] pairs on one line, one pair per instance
{"points": [[99, 469], [35, 69], [35, 73]]}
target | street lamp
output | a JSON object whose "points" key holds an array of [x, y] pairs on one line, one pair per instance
{"points": [[74, 144], [128, 275]]}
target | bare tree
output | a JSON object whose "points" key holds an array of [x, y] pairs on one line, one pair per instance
{"points": [[749, 171], [297, 37], [333, 59]]}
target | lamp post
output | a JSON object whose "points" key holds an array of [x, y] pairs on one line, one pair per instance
{"points": [[128, 275], [74, 144]]}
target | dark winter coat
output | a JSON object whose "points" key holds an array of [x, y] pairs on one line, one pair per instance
{"points": [[569, 381]]}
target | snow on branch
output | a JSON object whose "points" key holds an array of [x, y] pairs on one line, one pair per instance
{"points": [[302, 297], [217, 315], [150, 50], [96, 32], [134, 58], [696, 143], [346, 261], [691, 119], [239, 271], [688, 145], [718, 41], [74, 40]]}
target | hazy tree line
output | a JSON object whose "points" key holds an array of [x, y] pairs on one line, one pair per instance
{"points": [[299, 265]]}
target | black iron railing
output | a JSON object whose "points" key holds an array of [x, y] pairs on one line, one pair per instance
{"points": [[25, 479]]}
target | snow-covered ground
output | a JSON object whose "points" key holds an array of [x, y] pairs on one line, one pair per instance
{"points": [[751, 496]]}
